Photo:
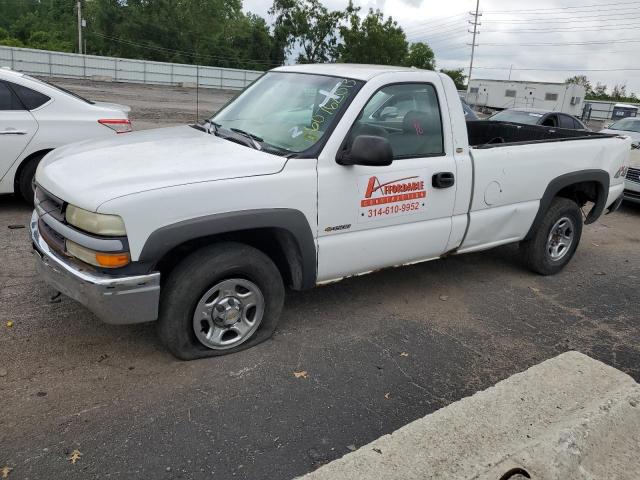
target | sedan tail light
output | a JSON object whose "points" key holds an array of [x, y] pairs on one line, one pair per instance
{"points": [[118, 125]]}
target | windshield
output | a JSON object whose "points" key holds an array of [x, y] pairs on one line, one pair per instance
{"points": [[289, 111], [627, 125], [517, 116]]}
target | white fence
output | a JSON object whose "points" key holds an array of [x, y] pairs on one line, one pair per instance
{"points": [[72, 65]]}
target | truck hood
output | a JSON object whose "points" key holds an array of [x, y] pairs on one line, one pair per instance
{"points": [[89, 173]]}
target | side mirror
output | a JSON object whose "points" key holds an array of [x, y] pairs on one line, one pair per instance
{"points": [[368, 150]]}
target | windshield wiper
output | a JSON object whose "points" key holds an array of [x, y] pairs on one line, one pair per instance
{"points": [[256, 139], [247, 134]]}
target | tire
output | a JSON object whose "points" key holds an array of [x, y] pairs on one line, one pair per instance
{"points": [[550, 248], [25, 180], [217, 278]]}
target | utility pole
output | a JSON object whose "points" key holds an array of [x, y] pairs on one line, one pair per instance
{"points": [[79, 8], [475, 32], [510, 70]]}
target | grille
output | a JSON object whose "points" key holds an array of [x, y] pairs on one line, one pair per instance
{"points": [[633, 175], [50, 204]]}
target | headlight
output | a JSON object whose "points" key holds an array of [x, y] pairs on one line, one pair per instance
{"points": [[99, 259], [98, 223]]}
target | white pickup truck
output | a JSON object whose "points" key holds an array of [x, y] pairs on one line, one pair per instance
{"points": [[313, 174]]}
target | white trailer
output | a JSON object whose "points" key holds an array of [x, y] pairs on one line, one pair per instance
{"points": [[501, 94]]}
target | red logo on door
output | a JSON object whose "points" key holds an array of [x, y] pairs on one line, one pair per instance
{"points": [[401, 190]]}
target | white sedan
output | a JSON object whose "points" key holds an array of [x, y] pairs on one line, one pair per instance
{"points": [[37, 117]]}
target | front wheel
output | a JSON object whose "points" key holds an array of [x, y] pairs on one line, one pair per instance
{"points": [[556, 239], [221, 299]]}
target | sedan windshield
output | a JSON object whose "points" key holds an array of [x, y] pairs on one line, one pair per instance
{"points": [[627, 125], [288, 111], [517, 116]]}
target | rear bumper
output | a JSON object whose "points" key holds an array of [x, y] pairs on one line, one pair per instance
{"points": [[115, 300]]}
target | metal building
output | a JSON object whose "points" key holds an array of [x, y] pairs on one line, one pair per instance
{"points": [[501, 94]]}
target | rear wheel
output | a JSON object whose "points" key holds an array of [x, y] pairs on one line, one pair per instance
{"points": [[26, 180], [221, 299], [556, 240]]}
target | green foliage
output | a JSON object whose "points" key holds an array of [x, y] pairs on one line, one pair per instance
{"points": [[207, 32], [309, 25], [458, 77], [372, 39], [421, 56], [600, 92], [212, 32]]}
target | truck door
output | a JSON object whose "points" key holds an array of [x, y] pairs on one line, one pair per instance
{"points": [[17, 127], [375, 217]]}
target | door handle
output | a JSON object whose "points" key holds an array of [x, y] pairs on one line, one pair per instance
{"points": [[443, 180], [12, 131]]}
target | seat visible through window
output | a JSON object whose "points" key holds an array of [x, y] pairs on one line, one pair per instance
{"points": [[408, 116]]}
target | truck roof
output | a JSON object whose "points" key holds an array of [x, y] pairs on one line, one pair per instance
{"points": [[346, 70]]}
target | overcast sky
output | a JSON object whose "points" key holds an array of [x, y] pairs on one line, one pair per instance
{"points": [[506, 25]]}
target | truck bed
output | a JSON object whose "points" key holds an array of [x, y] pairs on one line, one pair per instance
{"points": [[491, 134]]}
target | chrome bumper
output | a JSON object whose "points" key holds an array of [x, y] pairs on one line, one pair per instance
{"points": [[115, 300]]}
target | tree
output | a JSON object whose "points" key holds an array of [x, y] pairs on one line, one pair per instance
{"points": [[372, 39], [421, 56], [619, 92], [581, 80], [600, 92], [309, 25], [458, 77]]}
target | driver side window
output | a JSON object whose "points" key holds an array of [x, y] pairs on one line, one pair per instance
{"points": [[408, 116]]}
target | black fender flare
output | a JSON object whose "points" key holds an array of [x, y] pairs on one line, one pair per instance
{"points": [[602, 181], [166, 238]]}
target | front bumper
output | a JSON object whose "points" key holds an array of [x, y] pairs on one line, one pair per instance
{"points": [[115, 300]]}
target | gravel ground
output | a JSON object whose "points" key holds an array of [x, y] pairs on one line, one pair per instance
{"points": [[379, 351]]}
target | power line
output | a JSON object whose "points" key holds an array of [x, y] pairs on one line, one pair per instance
{"points": [[558, 44], [581, 19], [615, 27], [595, 5], [438, 22], [563, 69]]}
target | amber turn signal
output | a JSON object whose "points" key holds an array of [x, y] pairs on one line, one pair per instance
{"points": [[112, 260]]}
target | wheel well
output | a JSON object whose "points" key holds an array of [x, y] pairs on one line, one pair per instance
{"points": [[582, 192], [581, 187], [25, 161], [278, 244]]}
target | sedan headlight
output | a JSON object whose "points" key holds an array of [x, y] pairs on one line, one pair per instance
{"points": [[98, 223]]}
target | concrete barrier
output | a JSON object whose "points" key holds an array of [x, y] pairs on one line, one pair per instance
{"points": [[570, 417]]}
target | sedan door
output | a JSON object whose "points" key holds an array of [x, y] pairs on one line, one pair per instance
{"points": [[17, 128]]}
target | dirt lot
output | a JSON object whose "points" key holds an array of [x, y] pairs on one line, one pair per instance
{"points": [[379, 351]]}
